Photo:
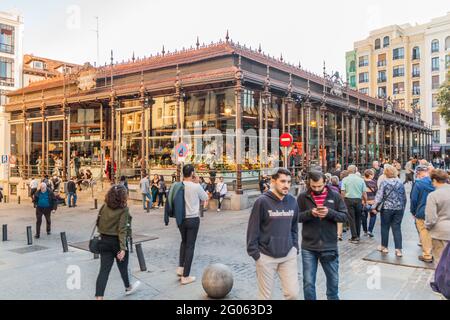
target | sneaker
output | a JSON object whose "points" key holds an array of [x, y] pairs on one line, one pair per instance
{"points": [[180, 271], [218, 210], [354, 240], [49, 233], [383, 249], [187, 280], [36, 236], [134, 287], [370, 234], [422, 258]]}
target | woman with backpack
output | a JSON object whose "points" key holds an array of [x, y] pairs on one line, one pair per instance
{"points": [[114, 226], [390, 201]]}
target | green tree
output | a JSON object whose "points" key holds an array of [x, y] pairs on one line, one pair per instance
{"points": [[443, 100]]}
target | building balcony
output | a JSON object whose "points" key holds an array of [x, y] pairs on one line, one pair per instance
{"points": [[381, 80], [7, 82], [416, 74], [381, 63], [6, 48], [416, 92]]}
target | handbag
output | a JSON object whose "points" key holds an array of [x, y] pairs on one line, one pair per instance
{"points": [[94, 241], [380, 206]]}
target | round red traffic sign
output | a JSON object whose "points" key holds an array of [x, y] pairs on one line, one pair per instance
{"points": [[286, 139]]}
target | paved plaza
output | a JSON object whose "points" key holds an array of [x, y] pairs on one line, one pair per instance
{"points": [[43, 271]]}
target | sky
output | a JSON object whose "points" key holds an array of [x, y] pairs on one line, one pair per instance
{"points": [[308, 32]]}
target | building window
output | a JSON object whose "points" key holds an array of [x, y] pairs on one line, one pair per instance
{"points": [[6, 38], [416, 101], [416, 53], [398, 53], [435, 82], [436, 136], [448, 135], [398, 71], [2, 98], [382, 92], [381, 76], [435, 45], [435, 64], [399, 87], [447, 61], [363, 61], [364, 77], [6, 72], [447, 43], [436, 118], [353, 66], [38, 65], [385, 42], [381, 60], [399, 104], [416, 88], [434, 101], [353, 81], [416, 70], [364, 91], [377, 44]]}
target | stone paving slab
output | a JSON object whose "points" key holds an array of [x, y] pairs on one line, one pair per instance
{"points": [[411, 251]]}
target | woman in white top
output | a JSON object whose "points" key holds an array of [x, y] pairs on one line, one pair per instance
{"points": [[221, 191]]}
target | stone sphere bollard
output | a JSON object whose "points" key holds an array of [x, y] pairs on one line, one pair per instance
{"points": [[217, 280]]}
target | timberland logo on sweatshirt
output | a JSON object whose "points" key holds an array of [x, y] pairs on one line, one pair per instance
{"points": [[278, 213]]}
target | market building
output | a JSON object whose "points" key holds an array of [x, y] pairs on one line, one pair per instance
{"points": [[123, 117]]}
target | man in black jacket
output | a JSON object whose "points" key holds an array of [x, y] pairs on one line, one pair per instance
{"points": [[272, 237], [320, 211]]}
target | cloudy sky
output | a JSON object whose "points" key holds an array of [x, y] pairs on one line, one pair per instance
{"points": [[305, 31]]}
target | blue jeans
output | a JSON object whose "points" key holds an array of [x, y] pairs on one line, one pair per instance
{"points": [[391, 219], [144, 197], [373, 219], [69, 198], [310, 261]]}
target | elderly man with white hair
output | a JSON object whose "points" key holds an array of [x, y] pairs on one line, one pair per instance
{"points": [[45, 202]]}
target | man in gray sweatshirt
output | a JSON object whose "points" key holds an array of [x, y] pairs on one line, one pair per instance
{"points": [[437, 212], [272, 237]]}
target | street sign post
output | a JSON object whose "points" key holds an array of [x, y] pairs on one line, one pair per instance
{"points": [[286, 140]]}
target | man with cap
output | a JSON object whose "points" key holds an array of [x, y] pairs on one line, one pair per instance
{"points": [[419, 194]]}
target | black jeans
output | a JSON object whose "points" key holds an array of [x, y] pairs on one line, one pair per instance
{"points": [[220, 200], [109, 247], [160, 199], [354, 207], [43, 212], [189, 230]]}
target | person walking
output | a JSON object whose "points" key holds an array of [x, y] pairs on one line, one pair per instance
{"points": [[378, 171], [272, 237], [162, 192], [220, 193], [34, 184], [419, 194], [320, 210], [184, 201], [354, 192], [437, 213], [44, 201], [144, 184], [409, 171], [154, 189], [390, 201], [114, 225], [371, 191], [72, 193], [123, 181]]}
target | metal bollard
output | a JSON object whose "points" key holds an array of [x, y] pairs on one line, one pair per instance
{"points": [[64, 242], [148, 206], [5, 199], [5, 232], [95, 204], [140, 256], [18, 200], [29, 236]]}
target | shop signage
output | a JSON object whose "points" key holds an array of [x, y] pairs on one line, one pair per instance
{"points": [[286, 139]]}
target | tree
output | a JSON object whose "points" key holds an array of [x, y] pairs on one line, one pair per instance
{"points": [[443, 100]]}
